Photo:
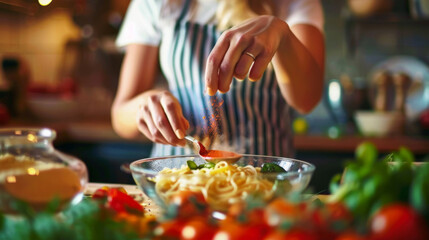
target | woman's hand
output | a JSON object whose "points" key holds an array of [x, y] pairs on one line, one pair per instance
{"points": [[160, 118], [255, 41]]}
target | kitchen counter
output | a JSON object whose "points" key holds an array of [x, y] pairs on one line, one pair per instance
{"points": [[103, 151], [102, 131], [417, 145]]}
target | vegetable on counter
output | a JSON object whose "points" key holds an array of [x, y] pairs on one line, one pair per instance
{"points": [[371, 187], [375, 198]]}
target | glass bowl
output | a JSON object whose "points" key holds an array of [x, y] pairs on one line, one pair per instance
{"points": [[35, 174], [220, 190]]}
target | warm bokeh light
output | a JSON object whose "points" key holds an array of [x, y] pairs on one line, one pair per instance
{"points": [[32, 138], [44, 2], [32, 171], [11, 179]]}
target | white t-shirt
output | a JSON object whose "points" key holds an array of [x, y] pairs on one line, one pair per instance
{"points": [[252, 117], [137, 29]]}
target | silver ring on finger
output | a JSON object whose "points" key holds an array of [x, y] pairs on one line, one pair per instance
{"points": [[250, 55]]}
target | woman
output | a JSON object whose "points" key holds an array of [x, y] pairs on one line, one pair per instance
{"points": [[233, 68]]}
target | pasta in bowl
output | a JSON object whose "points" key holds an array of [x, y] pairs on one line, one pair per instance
{"points": [[221, 184]]}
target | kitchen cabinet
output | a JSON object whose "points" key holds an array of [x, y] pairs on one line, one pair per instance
{"points": [[391, 34]]}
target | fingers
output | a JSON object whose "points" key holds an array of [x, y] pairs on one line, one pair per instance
{"points": [[223, 59], [258, 67], [244, 64], [238, 43], [235, 55], [147, 126], [161, 120], [212, 66], [173, 112]]}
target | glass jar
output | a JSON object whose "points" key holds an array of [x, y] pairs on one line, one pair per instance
{"points": [[34, 173]]}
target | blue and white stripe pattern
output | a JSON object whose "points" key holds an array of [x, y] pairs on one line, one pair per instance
{"points": [[251, 118]]}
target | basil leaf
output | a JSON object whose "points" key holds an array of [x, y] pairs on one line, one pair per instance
{"points": [[192, 165], [206, 165], [271, 168], [209, 165]]}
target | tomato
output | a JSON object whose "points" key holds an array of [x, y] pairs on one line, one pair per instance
{"points": [[255, 231], [338, 211], [229, 231], [293, 234], [197, 228], [397, 222], [256, 216], [236, 210], [300, 234], [279, 208], [189, 204], [350, 236], [122, 202], [100, 194], [169, 229], [275, 235]]}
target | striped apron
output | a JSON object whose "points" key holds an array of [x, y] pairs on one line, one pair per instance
{"points": [[251, 118]]}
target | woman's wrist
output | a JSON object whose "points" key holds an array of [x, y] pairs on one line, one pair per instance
{"points": [[284, 45]]}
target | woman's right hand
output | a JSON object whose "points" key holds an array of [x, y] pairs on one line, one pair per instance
{"points": [[160, 118]]}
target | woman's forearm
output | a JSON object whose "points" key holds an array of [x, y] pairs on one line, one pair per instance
{"points": [[299, 64], [124, 115], [138, 74]]}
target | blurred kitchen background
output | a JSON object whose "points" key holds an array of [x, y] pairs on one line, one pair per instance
{"points": [[60, 67]]}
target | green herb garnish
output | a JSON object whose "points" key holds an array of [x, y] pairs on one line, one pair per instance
{"points": [[206, 165], [192, 165], [272, 168]]}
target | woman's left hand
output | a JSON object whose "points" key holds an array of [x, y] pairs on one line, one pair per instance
{"points": [[254, 41]]}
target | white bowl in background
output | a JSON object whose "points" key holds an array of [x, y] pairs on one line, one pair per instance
{"points": [[379, 124], [53, 108]]}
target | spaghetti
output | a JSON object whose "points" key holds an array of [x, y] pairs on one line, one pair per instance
{"points": [[222, 185]]}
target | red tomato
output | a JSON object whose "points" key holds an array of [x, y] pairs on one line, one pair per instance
{"points": [[256, 216], [338, 211], [397, 222], [197, 229], [122, 202], [236, 210], [300, 234], [169, 229], [255, 231], [230, 230], [279, 208], [275, 235], [100, 194], [189, 204], [350, 236]]}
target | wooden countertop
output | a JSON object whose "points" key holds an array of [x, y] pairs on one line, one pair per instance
{"points": [[417, 145]]}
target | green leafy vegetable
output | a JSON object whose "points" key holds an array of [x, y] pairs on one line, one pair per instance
{"points": [[192, 165], [420, 190], [271, 168], [206, 165], [85, 221], [369, 183]]}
